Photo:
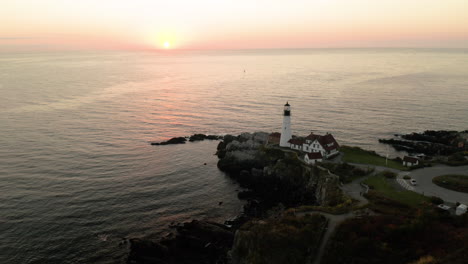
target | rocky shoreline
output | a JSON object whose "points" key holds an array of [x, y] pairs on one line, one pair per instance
{"points": [[430, 143], [275, 179], [279, 222], [193, 242]]}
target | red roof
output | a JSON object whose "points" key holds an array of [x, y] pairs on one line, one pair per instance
{"points": [[410, 159], [312, 136], [296, 141], [328, 142], [315, 155]]}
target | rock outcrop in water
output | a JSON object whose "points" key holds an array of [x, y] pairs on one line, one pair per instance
{"points": [[175, 140], [192, 138], [201, 137], [431, 142]]}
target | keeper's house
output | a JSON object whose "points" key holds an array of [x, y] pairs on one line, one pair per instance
{"points": [[325, 145]]}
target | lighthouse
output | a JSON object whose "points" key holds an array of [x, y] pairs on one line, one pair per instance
{"points": [[286, 129]]}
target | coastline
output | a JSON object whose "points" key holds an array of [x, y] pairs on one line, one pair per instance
{"points": [[258, 167]]}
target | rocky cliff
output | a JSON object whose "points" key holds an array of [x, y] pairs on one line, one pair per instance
{"points": [[193, 242], [287, 239], [276, 178], [275, 175]]}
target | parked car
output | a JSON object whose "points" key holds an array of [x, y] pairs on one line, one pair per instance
{"points": [[413, 182], [444, 207]]}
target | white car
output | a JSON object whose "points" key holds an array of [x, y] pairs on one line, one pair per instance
{"points": [[413, 182], [444, 207]]}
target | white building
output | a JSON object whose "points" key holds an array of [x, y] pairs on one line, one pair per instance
{"points": [[325, 145], [286, 134], [410, 161], [312, 158], [296, 143]]}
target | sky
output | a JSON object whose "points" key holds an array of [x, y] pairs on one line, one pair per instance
{"points": [[236, 24]]}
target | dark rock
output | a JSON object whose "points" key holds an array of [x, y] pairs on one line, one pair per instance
{"points": [[430, 142], [175, 140], [145, 251], [201, 137], [214, 137], [192, 138], [197, 137], [194, 242], [244, 195], [256, 173], [236, 222]]}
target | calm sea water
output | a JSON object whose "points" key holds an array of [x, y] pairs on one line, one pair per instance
{"points": [[77, 172]]}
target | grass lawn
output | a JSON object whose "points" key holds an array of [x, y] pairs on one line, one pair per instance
{"points": [[454, 182], [358, 155], [381, 185]]}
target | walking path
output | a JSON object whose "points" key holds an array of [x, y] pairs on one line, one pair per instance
{"points": [[333, 222], [355, 191]]}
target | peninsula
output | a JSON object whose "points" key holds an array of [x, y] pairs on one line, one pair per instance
{"points": [[339, 205]]}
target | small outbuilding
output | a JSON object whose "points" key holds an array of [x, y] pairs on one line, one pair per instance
{"points": [[461, 209], [274, 138], [312, 158], [410, 161], [296, 143]]}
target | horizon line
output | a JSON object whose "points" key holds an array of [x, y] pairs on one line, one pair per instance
{"points": [[53, 49]]}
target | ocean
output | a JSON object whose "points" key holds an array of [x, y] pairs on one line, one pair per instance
{"points": [[77, 171]]}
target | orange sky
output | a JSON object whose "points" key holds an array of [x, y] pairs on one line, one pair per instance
{"points": [[237, 24]]}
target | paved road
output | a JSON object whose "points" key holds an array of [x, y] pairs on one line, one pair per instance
{"points": [[425, 186], [424, 178]]}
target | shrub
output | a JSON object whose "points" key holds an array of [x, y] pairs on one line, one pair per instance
{"points": [[288, 239], [436, 200], [457, 157], [454, 182], [389, 174], [359, 172], [406, 177]]}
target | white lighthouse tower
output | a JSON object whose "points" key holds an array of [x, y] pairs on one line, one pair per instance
{"points": [[286, 129]]}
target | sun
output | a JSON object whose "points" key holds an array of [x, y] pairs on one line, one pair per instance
{"points": [[167, 44]]}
